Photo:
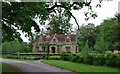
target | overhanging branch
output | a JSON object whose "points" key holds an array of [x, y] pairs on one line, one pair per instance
{"points": [[63, 6]]}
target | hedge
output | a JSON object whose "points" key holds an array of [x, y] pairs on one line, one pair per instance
{"points": [[54, 58], [103, 59]]}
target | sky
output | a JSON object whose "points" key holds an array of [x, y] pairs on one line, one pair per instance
{"points": [[108, 9]]}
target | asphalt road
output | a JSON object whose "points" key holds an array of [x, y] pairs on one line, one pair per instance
{"points": [[36, 67]]}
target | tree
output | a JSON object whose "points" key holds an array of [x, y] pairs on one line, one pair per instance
{"points": [[86, 48], [108, 33], [60, 23], [15, 46], [21, 15], [101, 45], [87, 34]]}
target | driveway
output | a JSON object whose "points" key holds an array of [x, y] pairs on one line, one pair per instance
{"points": [[35, 66]]}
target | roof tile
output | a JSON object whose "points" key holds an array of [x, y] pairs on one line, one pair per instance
{"points": [[60, 37]]}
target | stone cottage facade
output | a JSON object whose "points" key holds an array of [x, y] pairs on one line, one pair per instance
{"points": [[56, 43]]}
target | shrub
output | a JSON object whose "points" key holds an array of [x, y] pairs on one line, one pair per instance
{"points": [[80, 59], [54, 57], [89, 59], [66, 56], [103, 59], [113, 60], [93, 58], [75, 58]]}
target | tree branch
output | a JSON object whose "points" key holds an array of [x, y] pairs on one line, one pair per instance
{"points": [[63, 6]]}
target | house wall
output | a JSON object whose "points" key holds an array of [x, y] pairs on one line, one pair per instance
{"points": [[116, 51], [40, 48], [72, 48], [60, 48], [50, 48], [34, 48]]}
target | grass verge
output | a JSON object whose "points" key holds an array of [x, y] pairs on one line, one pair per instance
{"points": [[8, 68], [18, 59], [26, 60], [78, 67]]}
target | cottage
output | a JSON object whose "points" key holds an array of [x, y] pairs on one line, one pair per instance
{"points": [[56, 43]]}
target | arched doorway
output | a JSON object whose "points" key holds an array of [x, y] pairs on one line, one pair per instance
{"points": [[53, 49]]}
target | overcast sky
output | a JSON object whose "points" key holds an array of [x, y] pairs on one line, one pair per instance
{"points": [[108, 10]]}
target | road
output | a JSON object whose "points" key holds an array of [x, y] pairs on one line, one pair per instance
{"points": [[35, 66]]}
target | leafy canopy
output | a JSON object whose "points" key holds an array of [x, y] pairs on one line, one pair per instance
{"points": [[21, 15]]}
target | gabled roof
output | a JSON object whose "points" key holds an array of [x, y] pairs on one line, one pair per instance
{"points": [[60, 37]]}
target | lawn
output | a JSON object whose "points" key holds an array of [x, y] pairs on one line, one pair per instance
{"points": [[21, 59], [26, 60], [78, 67]]}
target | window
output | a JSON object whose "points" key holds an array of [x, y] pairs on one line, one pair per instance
{"points": [[67, 49], [37, 48]]}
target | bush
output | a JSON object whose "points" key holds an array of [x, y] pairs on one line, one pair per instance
{"points": [[103, 59], [88, 59], [54, 57], [66, 56], [112, 60], [75, 58], [80, 59]]}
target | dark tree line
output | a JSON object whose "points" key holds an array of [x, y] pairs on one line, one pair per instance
{"points": [[102, 37], [16, 47]]}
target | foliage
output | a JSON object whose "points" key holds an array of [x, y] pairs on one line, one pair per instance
{"points": [[101, 45], [87, 34], [86, 48], [15, 46], [108, 34], [66, 56], [23, 57], [116, 44], [54, 58], [93, 58], [21, 15], [0, 47], [100, 38], [59, 23], [75, 58], [82, 68]]}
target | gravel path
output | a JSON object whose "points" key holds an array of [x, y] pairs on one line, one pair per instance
{"points": [[35, 66]]}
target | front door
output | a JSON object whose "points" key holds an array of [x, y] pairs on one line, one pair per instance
{"points": [[53, 50]]}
